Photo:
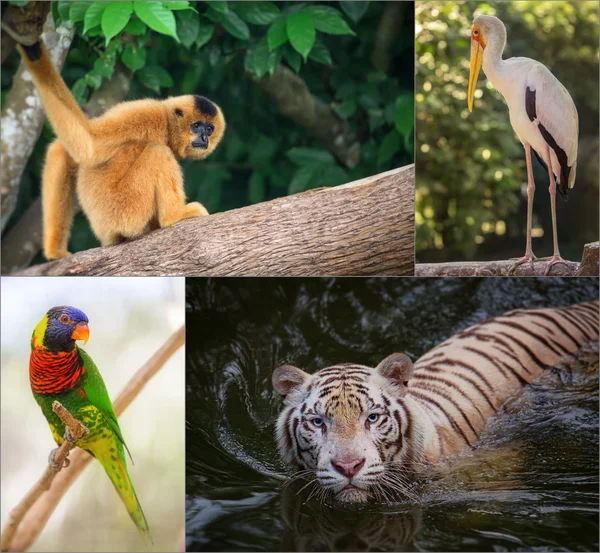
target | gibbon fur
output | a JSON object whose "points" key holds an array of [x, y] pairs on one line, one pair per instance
{"points": [[123, 165]]}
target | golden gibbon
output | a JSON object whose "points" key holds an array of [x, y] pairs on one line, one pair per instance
{"points": [[123, 165]]}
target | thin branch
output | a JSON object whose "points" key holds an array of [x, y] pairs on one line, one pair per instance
{"points": [[37, 516], [58, 458]]}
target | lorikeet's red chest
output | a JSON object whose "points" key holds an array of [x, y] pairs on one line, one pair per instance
{"points": [[55, 372]]}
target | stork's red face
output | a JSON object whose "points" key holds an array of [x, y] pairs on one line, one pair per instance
{"points": [[477, 48]]}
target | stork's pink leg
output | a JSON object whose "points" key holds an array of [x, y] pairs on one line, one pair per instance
{"points": [[528, 257], [556, 258]]}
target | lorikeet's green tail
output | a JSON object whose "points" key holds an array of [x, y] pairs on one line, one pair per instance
{"points": [[119, 476]]}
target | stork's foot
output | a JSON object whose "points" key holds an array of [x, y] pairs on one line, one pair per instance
{"points": [[527, 258], [51, 461], [553, 261]]}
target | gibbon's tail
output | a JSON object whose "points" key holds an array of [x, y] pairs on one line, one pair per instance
{"points": [[114, 465], [65, 115]]}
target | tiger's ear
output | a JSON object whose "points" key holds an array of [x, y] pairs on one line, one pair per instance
{"points": [[288, 378], [396, 367]]}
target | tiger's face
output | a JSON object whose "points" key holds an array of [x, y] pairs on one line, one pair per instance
{"points": [[345, 425]]}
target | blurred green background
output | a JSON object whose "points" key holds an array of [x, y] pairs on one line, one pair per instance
{"points": [[471, 196], [128, 323], [356, 57]]}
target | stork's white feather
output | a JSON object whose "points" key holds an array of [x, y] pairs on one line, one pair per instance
{"points": [[554, 107]]}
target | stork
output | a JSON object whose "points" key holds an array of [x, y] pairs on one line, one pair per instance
{"points": [[542, 113]]}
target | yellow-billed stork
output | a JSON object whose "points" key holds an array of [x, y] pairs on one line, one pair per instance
{"points": [[542, 113]]}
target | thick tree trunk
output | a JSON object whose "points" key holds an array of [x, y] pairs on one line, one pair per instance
{"points": [[587, 267], [361, 228]]}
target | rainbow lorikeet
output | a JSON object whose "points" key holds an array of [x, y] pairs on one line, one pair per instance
{"points": [[60, 370]]}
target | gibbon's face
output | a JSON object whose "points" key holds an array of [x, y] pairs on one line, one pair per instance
{"points": [[197, 126]]}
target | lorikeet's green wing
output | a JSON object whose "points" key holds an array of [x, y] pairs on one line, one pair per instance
{"points": [[96, 392], [115, 467]]}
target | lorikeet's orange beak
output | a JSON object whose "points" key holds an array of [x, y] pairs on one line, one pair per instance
{"points": [[81, 332]]}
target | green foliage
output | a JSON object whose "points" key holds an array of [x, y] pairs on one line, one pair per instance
{"points": [[220, 49], [471, 174]]}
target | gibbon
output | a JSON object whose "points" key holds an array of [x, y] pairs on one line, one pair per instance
{"points": [[122, 165]]}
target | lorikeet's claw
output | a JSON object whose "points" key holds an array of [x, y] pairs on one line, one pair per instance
{"points": [[52, 464], [68, 436]]}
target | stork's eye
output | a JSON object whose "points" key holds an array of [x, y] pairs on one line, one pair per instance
{"points": [[476, 32], [209, 129], [64, 318], [318, 422], [373, 417]]}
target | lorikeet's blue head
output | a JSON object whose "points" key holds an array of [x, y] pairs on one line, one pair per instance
{"points": [[60, 327]]}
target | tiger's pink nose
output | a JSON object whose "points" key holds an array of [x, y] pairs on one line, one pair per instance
{"points": [[348, 468]]}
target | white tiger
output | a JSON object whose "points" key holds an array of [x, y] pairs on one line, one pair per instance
{"points": [[364, 432]]}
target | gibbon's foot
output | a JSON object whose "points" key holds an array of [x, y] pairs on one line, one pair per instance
{"points": [[52, 464], [59, 254], [553, 261], [194, 209], [527, 258]]}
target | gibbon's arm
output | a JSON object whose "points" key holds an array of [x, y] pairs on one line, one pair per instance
{"points": [[65, 115]]}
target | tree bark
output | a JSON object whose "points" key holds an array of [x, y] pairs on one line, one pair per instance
{"points": [[292, 98], [362, 228], [23, 117], [587, 267]]}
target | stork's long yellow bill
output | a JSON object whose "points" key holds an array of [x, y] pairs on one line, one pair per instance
{"points": [[476, 58]]}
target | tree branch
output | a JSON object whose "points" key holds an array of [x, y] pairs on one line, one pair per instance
{"points": [[362, 228], [37, 516], [390, 26], [587, 267], [59, 457], [293, 99], [23, 117]]}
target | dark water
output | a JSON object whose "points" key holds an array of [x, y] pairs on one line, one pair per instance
{"points": [[531, 483]]}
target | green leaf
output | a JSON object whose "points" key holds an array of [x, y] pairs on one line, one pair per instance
{"points": [[303, 156], [105, 66], [262, 151], [77, 11], [94, 31], [188, 29], [328, 20], [320, 54], [258, 13], [136, 27], [221, 7], [346, 109], [304, 178], [115, 18], [134, 57], [174, 5], [355, 9], [293, 58], [56, 14], [93, 15], [256, 188], [274, 60], [231, 22], [389, 146], [405, 113], [154, 77], [157, 17], [63, 10], [257, 58], [301, 32], [205, 32], [79, 91], [93, 79], [277, 33]]}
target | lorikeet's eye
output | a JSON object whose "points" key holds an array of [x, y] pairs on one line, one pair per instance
{"points": [[64, 318]]}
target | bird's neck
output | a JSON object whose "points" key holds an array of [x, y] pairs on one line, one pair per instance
{"points": [[55, 372], [492, 61]]}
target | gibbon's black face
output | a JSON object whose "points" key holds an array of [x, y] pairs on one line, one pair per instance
{"points": [[197, 128]]}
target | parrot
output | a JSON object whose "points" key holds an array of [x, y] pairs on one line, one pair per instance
{"points": [[61, 371]]}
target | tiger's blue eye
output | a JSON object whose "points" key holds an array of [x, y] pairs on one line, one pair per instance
{"points": [[373, 417], [318, 422]]}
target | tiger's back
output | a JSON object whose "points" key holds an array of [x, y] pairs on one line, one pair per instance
{"points": [[361, 431]]}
